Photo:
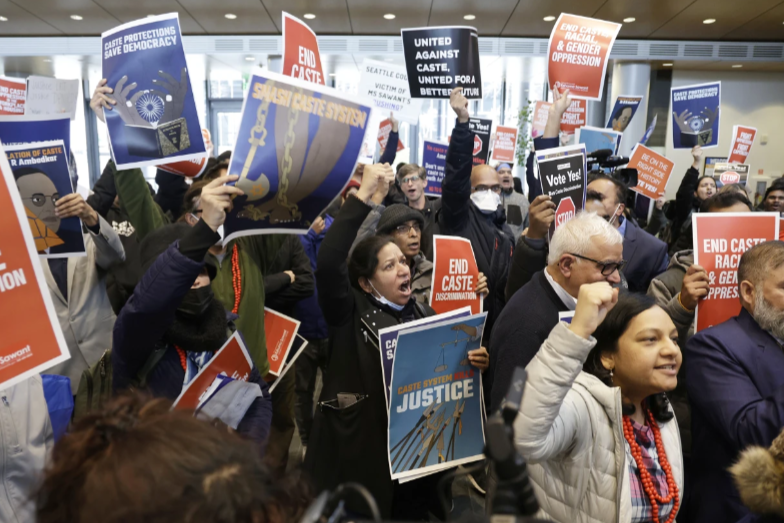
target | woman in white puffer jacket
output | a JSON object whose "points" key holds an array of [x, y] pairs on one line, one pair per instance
{"points": [[595, 426]]}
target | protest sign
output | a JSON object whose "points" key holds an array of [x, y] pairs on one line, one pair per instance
{"points": [[710, 163], [13, 92], [720, 239], [279, 331], [455, 275], [596, 139], [504, 144], [42, 177], [574, 117], [297, 348], [649, 130], [438, 59], [51, 97], [562, 173], [578, 52], [435, 414], [232, 360], [695, 115], [191, 168], [434, 162], [539, 118], [742, 140], [387, 86], [623, 112], [155, 120], [383, 135], [387, 338], [296, 150], [481, 129], [301, 57], [16, 130], [728, 173], [32, 340], [653, 171]]}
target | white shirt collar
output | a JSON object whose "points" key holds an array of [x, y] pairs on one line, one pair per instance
{"points": [[566, 298]]}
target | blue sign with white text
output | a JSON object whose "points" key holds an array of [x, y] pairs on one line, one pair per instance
{"points": [[695, 115], [434, 162]]}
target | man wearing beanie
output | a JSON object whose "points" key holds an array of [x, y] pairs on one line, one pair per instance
{"points": [[515, 204]]}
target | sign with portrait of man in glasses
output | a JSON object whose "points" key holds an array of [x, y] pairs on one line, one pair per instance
{"points": [[562, 173], [42, 177]]}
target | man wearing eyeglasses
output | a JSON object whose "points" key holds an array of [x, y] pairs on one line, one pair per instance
{"points": [[413, 180]]}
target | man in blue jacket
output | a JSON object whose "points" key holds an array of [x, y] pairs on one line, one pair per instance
{"points": [[735, 381]]}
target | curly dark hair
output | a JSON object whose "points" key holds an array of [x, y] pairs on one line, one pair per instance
{"points": [[364, 259]]}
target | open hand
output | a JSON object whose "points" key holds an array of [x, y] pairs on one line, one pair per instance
{"points": [[101, 100]]}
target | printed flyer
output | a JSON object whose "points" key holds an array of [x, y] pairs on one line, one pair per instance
{"points": [[455, 275], [596, 139], [742, 140], [17, 130], [505, 144], [280, 332], [301, 56], [434, 162], [387, 85], [726, 173], [653, 171], [481, 129], [13, 92], [562, 173], [695, 115], [623, 112]]}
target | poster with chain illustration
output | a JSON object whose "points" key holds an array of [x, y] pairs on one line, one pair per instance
{"points": [[297, 146]]}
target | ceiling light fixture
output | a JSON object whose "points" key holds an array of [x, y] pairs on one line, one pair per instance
{"points": [[469, 17], [250, 58], [548, 18], [230, 16], [737, 66], [667, 65], [309, 16], [76, 17], [629, 20], [709, 21], [3, 19], [389, 16], [331, 74]]}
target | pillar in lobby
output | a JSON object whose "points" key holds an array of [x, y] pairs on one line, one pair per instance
{"points": [[631, 78]]}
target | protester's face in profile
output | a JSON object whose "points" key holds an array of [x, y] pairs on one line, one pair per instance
{"points": [[39, 196], [393, 277], [506, 178], [407, 237], [413, 186], [609, 195], [706, 188], [774, 202], [648, 357], [585, 271], [622, 122]]}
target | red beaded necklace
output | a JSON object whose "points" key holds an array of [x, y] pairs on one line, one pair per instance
{"points": [[236, 278], [645, 476], [183, 358]]}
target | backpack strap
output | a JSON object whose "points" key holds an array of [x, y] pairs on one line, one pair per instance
{"points": [[149, 365]]}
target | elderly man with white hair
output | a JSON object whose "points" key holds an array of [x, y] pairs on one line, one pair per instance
{"points": [[586, 249]]}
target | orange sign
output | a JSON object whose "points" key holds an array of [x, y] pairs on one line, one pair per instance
{"points": [[279, 330], [31, 339], [578, 52], [383, 135], [720, 239], [573, 118], [301, 57], [504, 144], [742, 139], [231, 360], [653, 171], [13, 92], [191, 168], [455, 275]]}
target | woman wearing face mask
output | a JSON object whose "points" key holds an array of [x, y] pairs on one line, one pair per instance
{"points": [[595, 425]]}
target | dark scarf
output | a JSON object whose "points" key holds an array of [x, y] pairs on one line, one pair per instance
{"points": [[202, 334], [408, 313]]}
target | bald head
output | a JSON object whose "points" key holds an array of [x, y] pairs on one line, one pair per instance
{"points": [[484, 176]]}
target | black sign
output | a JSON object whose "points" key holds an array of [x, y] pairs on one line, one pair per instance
{"points": [[562, 175], [481, 129], [438, 59]]}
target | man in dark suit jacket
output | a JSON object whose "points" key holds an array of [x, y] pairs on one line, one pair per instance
{"points": [[735, 381]]}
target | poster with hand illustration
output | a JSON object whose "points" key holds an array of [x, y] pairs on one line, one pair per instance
{"points": [[695, 115], [155, 120]]}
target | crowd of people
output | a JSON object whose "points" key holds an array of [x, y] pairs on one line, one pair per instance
{"points": [[627, 414]]}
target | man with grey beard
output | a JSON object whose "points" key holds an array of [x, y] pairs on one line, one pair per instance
{"points": [[735, 381]]}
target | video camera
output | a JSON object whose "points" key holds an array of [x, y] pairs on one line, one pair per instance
{"points": [[603, 162]]}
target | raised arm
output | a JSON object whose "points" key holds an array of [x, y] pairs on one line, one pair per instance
{"points": [[684, 198], [390, 151], [456, 187]]}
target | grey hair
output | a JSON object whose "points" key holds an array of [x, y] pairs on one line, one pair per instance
{"points": [[577, 236]]}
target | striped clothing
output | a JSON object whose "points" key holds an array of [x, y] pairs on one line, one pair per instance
{"points": [[641, 505]]}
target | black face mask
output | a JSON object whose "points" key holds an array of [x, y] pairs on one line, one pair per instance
{"points": [[196, 302]]}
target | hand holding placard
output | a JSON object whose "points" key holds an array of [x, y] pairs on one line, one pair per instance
{"points": [[216, 200], [459, 104]]}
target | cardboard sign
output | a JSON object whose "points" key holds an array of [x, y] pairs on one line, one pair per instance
{"points": [[301, 57], [574, 117], [51, 97], [387, 85], [728, 173], [505, 144], [578, 52], [191, 168], [279, 330], [653, 171], [623, 112], [695, 115], [383, 135], [596, 139], [31, 339], [434, 162], [742, 140], [649, 130], [481, 129], [562, 173], [455, 275], [720, 239], [438, 59], [232, 360], [13, 92]]}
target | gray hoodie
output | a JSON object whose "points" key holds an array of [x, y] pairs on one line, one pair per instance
{"points": [[665, 288]]}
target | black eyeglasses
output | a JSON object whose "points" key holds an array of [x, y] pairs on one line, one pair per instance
{"points": [[495, 188], [39, 199], [607, 267], [406, 229]]}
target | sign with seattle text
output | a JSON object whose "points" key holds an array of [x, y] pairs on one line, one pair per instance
{"points": [[12, 95], [434, 162], [301, 57], [720, 239], [742, 140], [695, 115], [438, 59], [562, 173], [653, 171], [455, 275], [387, 86], [578, 52]]}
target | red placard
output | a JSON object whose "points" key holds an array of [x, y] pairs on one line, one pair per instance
{"points": [[504, 144], [539, 119], [578, 52], [383, 135], [13, 93], [455, 275], [742, 139], [720, 239], [653, 171], [279, 330], [301, 57], [232, 360], [573, 118], [191, 168], [30, 337]]}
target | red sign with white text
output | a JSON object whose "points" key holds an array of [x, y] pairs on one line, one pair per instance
{"points": [[578, 51], [565, 211], [539, 119], [231, 360], [279, 330], [653, 171], [191, 168], [383, 135], [13, 92], [573, 118], [720, 239], [455, 275], [742, 139], [31, 339], [301, 57], [504, 144]]}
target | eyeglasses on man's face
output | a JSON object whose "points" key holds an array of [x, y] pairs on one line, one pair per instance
{"points": [[607, 268], [410, 179], [495, 188], [406, 228]]}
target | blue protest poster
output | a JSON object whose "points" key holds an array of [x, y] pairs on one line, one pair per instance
{"points": [[435, 415], [15, 130], [649, 130], [434, 162], [596, 139], [695, 115], [155, 120], [388, 341], [42, 177], [623, 112], [297, 146]]}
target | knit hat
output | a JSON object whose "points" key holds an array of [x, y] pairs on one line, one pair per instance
{"points": [[397, 214], [352, 183], [155, 243]]}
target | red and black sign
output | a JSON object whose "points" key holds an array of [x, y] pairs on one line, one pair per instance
{"points": [[562, 173], [565, 211], [481, 129]]}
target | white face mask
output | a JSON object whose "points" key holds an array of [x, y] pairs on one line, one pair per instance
{"points": [[487, 201], [385, 301]]}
